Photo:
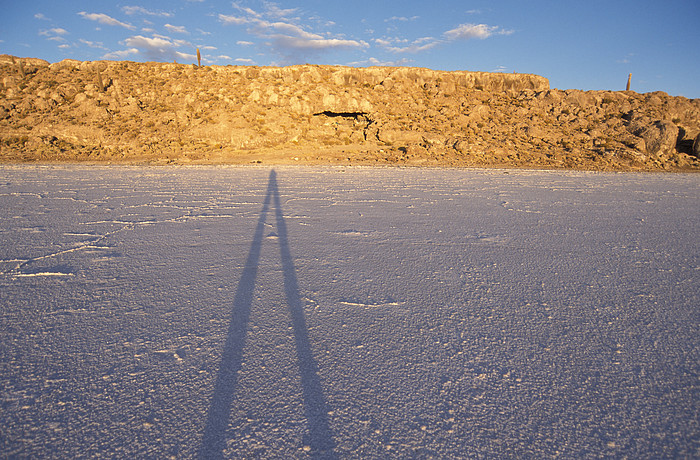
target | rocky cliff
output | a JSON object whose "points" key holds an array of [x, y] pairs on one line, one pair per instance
{"points": [[155, 112]]}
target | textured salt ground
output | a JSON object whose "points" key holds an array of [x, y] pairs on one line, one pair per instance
{"points": [[349, 312]]}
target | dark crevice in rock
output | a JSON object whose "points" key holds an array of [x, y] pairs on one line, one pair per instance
{"points": [[331, 114]]}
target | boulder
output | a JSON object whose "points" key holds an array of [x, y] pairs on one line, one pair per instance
{"points": [[70, 64], [659, 137], [399, 136], [696, 146]]}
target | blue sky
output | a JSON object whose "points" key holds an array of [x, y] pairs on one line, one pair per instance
{"points": [[588, 44]]}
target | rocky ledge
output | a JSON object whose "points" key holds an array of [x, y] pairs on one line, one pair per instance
{"points": [[163, 113]]}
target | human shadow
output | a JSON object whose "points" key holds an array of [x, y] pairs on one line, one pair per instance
{"points": [[319, 436]]}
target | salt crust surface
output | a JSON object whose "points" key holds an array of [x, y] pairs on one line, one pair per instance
{"points": [[349, 312]]}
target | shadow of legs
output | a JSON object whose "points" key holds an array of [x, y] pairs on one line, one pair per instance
{"points": [[315, 407], [213, 441], [320, 436]]}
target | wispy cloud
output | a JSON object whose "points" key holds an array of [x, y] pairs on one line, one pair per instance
{"points": [[158, 47], [274, 11], [401, 18], [626, 60], [245, 61], [233, 20], [246, 10], [131, 10], [286, 38], [244, 43], [461, 32], [56, 34], [416, 46], [376, 62], [176, 29], [480, 31], [91, 44], [41, 17], [123, 54], [54, 31], [105, 19]]}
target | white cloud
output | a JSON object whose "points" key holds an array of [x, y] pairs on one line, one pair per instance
{"points": [[413, 48], [41, 17], [104, 19], [121, 54], [244, 43], [462, 32], [304, 43], [185, 56], [245, 61], [286, 38], [417, 46], [139, 41], [469, 31], [289, 29], [401, 18], [232, 20], [176, 29], [53, 32], [424, 40], [91, 44], [208, 48], [64, 46], [157, 48], [376, 62], [55, 35], [277, 12], [246, 10], [131, 10]]}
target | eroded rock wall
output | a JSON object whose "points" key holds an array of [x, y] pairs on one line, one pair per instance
{"points": [[125, 111]]}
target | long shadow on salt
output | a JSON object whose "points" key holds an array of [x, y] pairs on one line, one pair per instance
{"points": [[320, 435]]}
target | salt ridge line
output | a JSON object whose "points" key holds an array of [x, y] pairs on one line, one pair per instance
{"points": [[127, 225]]}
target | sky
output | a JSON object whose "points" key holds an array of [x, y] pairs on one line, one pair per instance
{"points": [[581, 45]]}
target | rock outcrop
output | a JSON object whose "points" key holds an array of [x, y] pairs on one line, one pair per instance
{"points": [[154, 112]]}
